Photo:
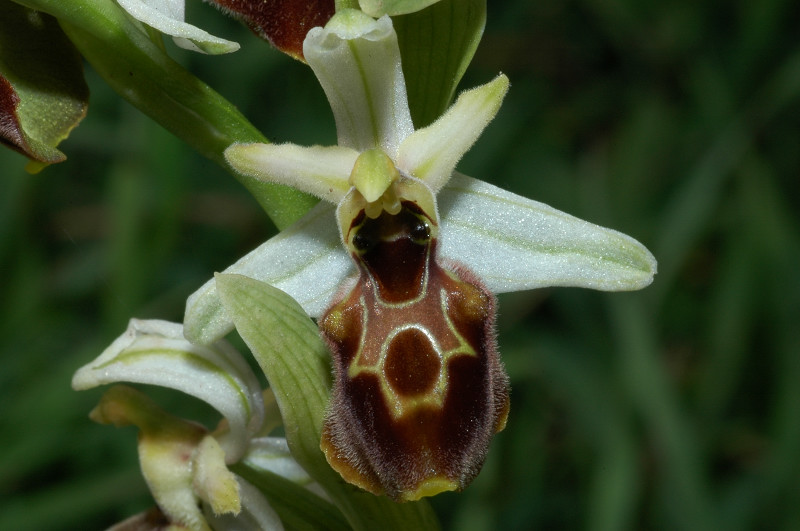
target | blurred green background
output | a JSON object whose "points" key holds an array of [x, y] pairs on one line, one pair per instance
{"points": [[677, 407]]}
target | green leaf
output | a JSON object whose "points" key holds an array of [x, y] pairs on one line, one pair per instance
{"points": [[288, 348], [43, 95], [437, 45], [286, 344]]}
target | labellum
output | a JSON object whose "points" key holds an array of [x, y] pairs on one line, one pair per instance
{"points": [[419, 388]]}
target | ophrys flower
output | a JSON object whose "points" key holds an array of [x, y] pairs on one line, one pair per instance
{"points": [[419, 389]]}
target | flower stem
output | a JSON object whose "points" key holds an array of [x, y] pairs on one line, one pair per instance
{"points": [[346, 4]]}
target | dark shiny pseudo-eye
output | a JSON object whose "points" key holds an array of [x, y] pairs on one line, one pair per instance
{"points": [[419, 388]]}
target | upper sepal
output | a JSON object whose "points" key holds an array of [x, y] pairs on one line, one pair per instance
{"points": [[357, 61]]}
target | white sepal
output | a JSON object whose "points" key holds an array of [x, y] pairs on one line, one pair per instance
{"points": [[357, 61], [513, 243], [307, 261]]}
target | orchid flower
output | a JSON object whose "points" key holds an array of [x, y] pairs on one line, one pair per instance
{"points": [[183, 463], [419, 387]]}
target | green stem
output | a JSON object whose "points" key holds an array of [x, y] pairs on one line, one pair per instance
{"points": [[346, 4], [143, 74]]}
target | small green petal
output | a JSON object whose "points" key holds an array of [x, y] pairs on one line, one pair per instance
{"points": [[513, 243], [156, 353], [167, 17], [319, 170], [431, 154], [286, 344], [357, 61]]}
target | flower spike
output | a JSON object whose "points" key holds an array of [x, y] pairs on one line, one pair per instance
{"points": [[419, 388]]}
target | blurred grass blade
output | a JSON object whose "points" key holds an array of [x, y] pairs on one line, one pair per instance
{"points": [[682, 483]]}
